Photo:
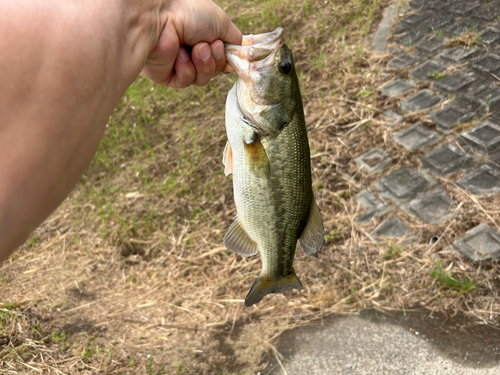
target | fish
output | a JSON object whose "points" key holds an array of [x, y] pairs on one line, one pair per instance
{"points": [[268, 154]]}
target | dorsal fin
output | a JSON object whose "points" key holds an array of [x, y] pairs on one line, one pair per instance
{"points": [[313, 236], [238, 241], [227, 159]]}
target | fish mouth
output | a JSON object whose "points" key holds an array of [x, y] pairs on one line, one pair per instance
{"points": [[257, 54], [254, 48]]}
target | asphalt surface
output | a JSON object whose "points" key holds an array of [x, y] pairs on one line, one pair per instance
{"points": [[377, 344]]}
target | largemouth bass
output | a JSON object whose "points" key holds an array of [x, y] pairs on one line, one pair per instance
{"points": [[268, 154]]}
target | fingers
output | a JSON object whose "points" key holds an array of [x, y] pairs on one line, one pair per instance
{"points": [[202, 25], [184, 72], [219, 56], [209, 60], [205, 62]]}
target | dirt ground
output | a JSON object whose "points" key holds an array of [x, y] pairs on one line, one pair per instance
{"points": [[129, 275]]}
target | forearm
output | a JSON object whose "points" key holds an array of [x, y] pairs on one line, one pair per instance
{"points": [[52, 116]]}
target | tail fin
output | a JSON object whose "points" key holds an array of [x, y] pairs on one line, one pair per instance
{"points": [[262, 287]]}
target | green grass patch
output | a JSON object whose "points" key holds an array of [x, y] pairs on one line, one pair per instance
{"points": [[448, 280], [436, 75], [393, 252]]}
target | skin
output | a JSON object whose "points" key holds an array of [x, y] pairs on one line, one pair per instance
{"points": [[64, 64]]}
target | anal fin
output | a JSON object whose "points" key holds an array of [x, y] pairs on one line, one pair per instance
{"points": [[313, 236], [227, 159], [237, 240]]}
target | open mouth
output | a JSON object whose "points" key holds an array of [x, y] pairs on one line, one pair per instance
{"points": [[253, 48]]}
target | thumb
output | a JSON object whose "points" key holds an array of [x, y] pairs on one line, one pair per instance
{"points": [[228, 32]]}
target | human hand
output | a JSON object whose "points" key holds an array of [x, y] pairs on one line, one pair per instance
{"points": [[199, 24]]}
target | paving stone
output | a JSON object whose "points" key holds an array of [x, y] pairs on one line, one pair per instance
{"points": [[451, 115], [410, 38], [482, 181], [490, 36], [424, 71], [409, 23], [480, 243], [434, 208], [451, 84], [488, 12], [467, 104], [392, 118], [394, 227], [413, 18], [463, 7], [415, 4], [452, 29], [495, 116], [444, 19], [487, 96], [396, 87], [488, 63], [404, 185], [472, 23], [374, 207], [437, 5], [374, 161], [403, 60], [431, 46], [484, 138], [416, 137], [423, 100], [459, 55], [447, 159], [487, 66], [494, 160]]}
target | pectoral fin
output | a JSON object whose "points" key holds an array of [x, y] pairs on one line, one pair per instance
{"points": [[313, 236], [257, 157], [227, 159], [238, 241]]}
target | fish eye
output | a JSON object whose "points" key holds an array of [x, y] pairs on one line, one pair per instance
{"points": [[285, 67]]}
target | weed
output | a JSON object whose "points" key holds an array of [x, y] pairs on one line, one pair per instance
{"points": [[436, 75], [449, 281], [332, 235], [60, 339], [132, 362], [393, 252], [440, 34], [469, 38], [364, 93]]}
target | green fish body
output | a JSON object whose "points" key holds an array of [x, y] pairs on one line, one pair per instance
{"points": [[268, 154]]}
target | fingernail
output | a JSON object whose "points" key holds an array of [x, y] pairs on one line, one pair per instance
{"points": [[218, 50], [183, 55], [204, 52]]}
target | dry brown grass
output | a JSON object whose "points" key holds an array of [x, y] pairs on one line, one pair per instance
{"points": [[132, 264]]}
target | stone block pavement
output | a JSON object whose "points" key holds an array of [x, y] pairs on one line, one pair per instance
{"points": [[463, 86]]}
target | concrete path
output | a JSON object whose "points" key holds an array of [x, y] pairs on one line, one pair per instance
{"points": [[377, 344]]}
